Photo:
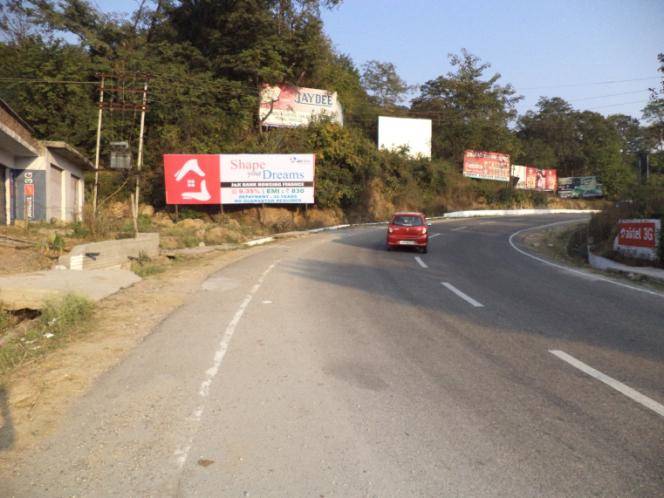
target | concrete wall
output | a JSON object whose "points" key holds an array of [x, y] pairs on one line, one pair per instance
{"points": [[62, 210], [20, 151], [110, 253]]}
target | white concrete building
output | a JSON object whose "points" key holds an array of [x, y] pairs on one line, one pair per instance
{"points": [[43, 180]]}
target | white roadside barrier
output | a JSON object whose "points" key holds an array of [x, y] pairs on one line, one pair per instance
{"points": [[605, 264], [454, 214], [515, 212]]}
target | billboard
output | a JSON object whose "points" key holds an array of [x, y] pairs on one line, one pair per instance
{"points": [[486, 165], [414, 134], [239, 178], [638, 238], [532, 178], [192, 178], [267, 178], [579, 187], [292, 106]]}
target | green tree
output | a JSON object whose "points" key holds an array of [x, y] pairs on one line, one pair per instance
{"points": [[576, 143], [383, 83], [468, 110]]}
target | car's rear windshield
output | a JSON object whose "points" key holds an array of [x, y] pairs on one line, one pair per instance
{"points": [[407, 221]]}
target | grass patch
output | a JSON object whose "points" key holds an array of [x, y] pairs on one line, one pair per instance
{"points": [[60, 319], [146, 269], [144, 266], [5, 321], [567, 243]]}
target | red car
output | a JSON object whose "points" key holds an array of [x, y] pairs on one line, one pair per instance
{"points": [[408, 230]]}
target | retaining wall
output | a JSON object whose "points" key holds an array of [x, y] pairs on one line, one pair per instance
{"points": [[109, 253]]}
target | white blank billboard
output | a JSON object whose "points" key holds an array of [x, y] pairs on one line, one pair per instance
{"points": [[415, 134]]}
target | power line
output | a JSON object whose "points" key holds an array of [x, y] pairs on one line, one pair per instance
{"points": [[63, 82], [608, 82], [616, 105], [233, 85], [609, 95]]}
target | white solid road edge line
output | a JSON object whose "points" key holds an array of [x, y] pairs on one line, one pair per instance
{"points": [[434, 235], [463, 296], [581, 273], [420, 262], [182, 452], [617, 385]]}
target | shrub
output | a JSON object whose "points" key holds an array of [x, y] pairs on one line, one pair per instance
{"points": [[60, 315], [79, 230], [57, 243]]}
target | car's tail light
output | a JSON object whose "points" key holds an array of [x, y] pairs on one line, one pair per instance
{"points": [[424, 230], [390, 229]]}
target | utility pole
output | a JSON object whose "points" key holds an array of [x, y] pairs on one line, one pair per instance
{"points": [[139, 161], [97, 151]]}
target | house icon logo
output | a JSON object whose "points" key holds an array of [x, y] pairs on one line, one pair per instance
{"points": [[192, 178]]}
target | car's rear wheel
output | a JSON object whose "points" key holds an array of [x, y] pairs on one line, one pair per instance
{"points": [[424, 249]]}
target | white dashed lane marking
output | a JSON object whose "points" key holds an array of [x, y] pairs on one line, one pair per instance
{"points": [[462, 295], [611, 382]]}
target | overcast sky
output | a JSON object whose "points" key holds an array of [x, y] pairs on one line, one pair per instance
{"points": [[552, 48]]}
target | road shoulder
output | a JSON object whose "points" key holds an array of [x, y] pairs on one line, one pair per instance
{"points": [[549, 243], [39, 393]]}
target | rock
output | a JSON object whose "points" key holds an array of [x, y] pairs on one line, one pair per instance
{"points": [[162, 219], [191, 223], [278, 218], [323, 218], [146, 210], [118, 210], [232, 224], [221, 235]]}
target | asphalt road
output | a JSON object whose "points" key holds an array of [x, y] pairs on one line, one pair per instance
{"points": [[327, 366]]}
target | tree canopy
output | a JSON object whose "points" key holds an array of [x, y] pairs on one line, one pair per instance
{"points": [[206, 60]]}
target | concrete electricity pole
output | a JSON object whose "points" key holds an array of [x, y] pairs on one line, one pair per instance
{"points": [[139, 160], [97, 151]]}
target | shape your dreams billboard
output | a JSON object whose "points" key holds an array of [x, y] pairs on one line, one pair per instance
{"points": [[239, 178]]}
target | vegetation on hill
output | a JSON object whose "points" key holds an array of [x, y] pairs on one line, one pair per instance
{"points": [[207, 59]]}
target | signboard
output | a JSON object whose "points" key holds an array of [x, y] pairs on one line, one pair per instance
{"points": [[579, 187], [192, 178], [291, 106], [239, 178], [267, 178], [486, 165], [638, 238], [409, 133], [28, 196], [532, 178]]}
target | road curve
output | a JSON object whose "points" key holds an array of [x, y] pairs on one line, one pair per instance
{"points": [[327, 366]]}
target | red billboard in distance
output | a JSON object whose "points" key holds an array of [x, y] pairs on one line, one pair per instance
{"points": [[546, 179], [486, 165], [532, 178], [192, 178]]}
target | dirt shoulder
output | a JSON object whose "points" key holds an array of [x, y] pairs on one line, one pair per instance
{"points": [[565, 244], [35, 396], [553, 242]]}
